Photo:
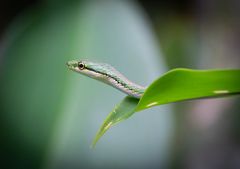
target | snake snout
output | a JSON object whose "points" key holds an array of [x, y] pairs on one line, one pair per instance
{"points": [[72, 64]]}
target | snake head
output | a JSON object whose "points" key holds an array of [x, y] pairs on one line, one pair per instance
{"points": [[77, 66], [93, 70]]}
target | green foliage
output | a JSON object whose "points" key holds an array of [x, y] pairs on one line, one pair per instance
{"points": [[184, 84], [121, 112], [176, 85]]}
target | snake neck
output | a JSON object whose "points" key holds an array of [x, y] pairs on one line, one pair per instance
{"points": [[121, 83]]}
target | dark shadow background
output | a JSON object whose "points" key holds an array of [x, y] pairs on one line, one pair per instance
{"points": [[10, 9]]}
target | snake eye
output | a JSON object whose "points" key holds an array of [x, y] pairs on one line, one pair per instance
{"points": [[81, 65]]}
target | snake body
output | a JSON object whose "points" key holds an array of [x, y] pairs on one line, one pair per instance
{"points": [[107, 74]]}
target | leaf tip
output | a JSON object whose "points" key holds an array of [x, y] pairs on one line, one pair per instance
{"points": [[100, 133]]}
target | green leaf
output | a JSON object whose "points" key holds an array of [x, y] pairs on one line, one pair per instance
{"points": [[176, 85], [121, 112], [184, 84]]}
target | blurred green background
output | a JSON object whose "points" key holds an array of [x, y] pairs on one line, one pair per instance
{"points": [[49, 115]]}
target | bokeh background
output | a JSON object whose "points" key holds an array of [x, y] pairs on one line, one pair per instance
{"points": [[49, 115]]}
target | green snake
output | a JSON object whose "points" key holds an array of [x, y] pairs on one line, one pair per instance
{"points": [[107, 74]]}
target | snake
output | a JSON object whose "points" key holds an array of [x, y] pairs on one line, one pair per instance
{"points": [[107, 74]]}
